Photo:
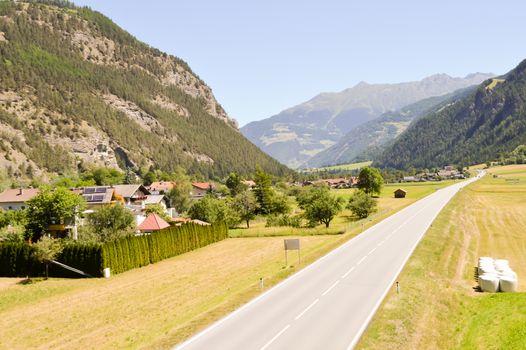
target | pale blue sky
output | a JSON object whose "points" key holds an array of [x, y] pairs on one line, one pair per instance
{"points": [[261, 57]]}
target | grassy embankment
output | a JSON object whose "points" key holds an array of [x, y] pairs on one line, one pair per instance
{"points": [[159, 305], [438, 307]]}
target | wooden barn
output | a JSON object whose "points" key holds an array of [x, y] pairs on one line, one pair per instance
{"points": [[400, 193]]}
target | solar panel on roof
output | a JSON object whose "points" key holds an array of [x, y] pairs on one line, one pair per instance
{"points": [[97, 198], [89, 190], [100, 190]]}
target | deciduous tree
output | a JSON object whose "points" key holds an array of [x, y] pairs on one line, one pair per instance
{"points": [[49, 207], [370, 180], [319, 205]]}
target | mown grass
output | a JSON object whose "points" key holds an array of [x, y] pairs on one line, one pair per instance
{"points": [[159, 305], [438, 307], [350, 166]]}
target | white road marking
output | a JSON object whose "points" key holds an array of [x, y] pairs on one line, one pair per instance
{"points": [[364, 235], [348, 272], [331, 287], [361, 260], [307, 309], [372, 251], [275, 337], [382, 242]]}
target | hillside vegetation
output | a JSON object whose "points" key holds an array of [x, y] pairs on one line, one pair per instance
{"points": [[77, 90], [479, 128], [296, 134], [368, 140]]}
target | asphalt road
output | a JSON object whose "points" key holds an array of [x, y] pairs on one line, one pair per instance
{"points": [[329, 304]]}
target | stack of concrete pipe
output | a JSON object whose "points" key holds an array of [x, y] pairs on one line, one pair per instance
{"points": [[496, 275]]}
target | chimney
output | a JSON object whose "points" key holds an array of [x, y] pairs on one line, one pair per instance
{"points": [[20, 191]]}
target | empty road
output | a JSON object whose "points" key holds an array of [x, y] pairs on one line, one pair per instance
{"points": [[329, 304]]}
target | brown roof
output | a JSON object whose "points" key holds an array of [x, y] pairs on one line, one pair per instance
{"points": [[400, 190], [153, 222], [162, 185], [154, 199], [18, 195], [203, 185], [127, 191], [336, 181]]}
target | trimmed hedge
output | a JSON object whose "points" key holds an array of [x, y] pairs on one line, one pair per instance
{"points": [[120, 255], [131, 252], [16, 260]]}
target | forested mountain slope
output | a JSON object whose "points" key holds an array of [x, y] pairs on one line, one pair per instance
{"points": [[367, 141], [75, 90], [475, 129], [299, 133]]}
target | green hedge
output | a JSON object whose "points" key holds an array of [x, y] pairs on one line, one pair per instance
{"points": [[131, 252], [120, 255], [16, 261]]}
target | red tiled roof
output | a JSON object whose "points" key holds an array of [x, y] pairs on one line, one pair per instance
{"points": [[153, 222], [18, 195], [202, 185]]}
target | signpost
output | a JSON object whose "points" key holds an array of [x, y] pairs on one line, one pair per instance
{"points": [[292, 244]]}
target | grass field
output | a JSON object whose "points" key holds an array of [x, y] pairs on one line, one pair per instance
{"points": [[159, 305], [350, 166], [387, 205], [438, 307]]}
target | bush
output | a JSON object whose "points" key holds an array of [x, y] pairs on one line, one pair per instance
{"points": [[361, 204], [283, 220], [108, 223]]}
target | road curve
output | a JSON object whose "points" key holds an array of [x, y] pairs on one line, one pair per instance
{"points": [[328, 304]]}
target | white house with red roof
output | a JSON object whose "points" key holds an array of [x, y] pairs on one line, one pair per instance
{"points": [[200, 189], [161, 187]]}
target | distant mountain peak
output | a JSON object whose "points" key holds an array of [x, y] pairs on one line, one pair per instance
{"points": [[298, 133]]}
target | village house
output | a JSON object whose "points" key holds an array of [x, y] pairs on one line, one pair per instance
{"points": [[15, 199], [160, 199], [152, 223], [96, 195], [200, 189], [161, 187], [132, 194], [337, 183]]}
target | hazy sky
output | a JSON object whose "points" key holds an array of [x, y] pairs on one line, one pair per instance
{"points": [[261, 57]]}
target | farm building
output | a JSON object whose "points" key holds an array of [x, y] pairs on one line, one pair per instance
{"points": [[400, 193]]}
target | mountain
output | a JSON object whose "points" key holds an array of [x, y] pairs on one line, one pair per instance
{"points": [[300, 132], [368, 140], [487, 123], [76, 90]]}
